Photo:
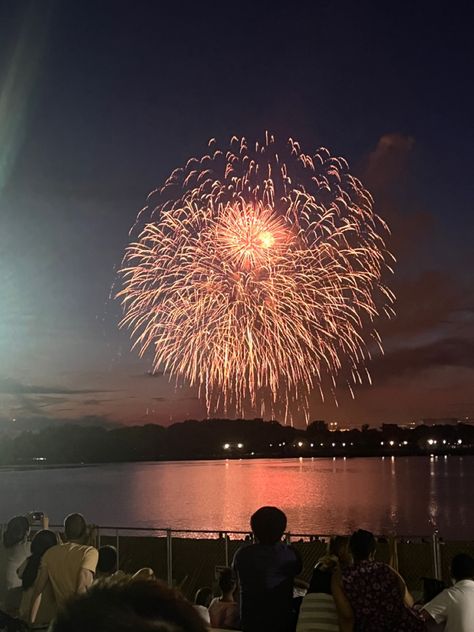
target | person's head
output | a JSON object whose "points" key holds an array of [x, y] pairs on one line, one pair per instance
{"points": [[42, 541], [107, 563], [362, 545], [123, 605], [227, 582], [338, 545], [203, 597], [17, 531], [462, 567], [268, 525], [75, 528]]}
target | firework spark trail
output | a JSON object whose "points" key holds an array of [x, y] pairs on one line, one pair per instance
{"points": [[256, 273]]}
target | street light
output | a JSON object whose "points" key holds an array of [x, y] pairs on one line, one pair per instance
{"points": [[240, 445], [226, 446]]}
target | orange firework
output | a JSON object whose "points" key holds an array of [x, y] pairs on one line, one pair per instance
{"points": [[257, 271]]}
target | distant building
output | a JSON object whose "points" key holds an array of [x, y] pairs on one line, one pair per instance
{"points": [[448, 421]]}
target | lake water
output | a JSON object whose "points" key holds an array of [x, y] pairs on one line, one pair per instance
{"points": [[408, 496]]}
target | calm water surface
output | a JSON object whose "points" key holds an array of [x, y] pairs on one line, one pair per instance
{"points": [[410, 496]]}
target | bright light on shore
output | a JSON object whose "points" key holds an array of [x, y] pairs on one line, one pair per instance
{"points": [[240, 445], [226, 446]]}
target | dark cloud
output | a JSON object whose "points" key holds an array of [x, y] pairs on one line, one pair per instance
{"points": [[37, 422], [453, 352], [388, 162], [9, 386], [431, 299]]}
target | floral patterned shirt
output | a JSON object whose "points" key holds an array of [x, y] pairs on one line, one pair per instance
{"points": [[373, 590]]}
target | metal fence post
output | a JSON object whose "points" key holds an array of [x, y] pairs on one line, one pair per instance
{"points": [[436, 556], [169, 558], [117, 546], [226, 544]]}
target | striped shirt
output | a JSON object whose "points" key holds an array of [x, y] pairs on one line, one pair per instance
{"points": [[317, 614]]}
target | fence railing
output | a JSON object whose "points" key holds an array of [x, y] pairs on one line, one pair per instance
{"points": [[189, 557]]}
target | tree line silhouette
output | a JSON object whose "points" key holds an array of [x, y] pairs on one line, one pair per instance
{"points": [[225, 438]]}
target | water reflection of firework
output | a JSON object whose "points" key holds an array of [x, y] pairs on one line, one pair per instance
{"points": [[257, 272]]}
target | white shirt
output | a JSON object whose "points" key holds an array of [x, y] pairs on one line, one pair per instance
{"points": [[455, 606]]}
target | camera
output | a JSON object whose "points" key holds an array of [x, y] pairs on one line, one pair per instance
{"points": [[37, 516]]}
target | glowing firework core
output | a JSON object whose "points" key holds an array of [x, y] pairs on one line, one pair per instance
{"points": [[255, 274]]}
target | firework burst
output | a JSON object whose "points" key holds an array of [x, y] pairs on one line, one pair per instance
{"points": [[257, 271]]}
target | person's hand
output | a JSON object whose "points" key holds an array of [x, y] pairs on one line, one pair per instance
{"points": [[45, 522]]}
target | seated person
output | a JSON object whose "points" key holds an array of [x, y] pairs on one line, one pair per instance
{"points": [[454, 606], [318, 611], [202, 600], [116, 604], [107, 562], [107, 565], [266, 571], [224, 610], [371, 595]]}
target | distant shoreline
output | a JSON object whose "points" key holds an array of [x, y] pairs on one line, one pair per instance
{"points": [[257, 457]]}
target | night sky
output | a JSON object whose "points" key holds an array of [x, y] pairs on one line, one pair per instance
{"points": [[100, 101]]}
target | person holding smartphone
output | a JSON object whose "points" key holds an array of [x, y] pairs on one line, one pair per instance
{"points": [[14, 550]]}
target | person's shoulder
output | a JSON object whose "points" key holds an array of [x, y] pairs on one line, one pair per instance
{"points": [[53, 551], [464, 585], [244, 550], [83, 549], [288, 550], [89, 552]]}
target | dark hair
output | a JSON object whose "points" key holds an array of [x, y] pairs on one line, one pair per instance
{"points": [[16, 531], [42, 541], [268, 524], [338, 544], [227, 580], [107, 562], [362, 544], [203, 597], [75, 527], [462, 567], [124, 605]]}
